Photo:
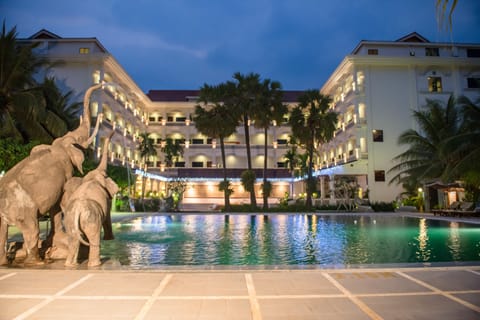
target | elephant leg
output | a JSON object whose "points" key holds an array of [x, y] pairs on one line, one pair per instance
{"points": [[72, 256], [3, 242], [94, 240], [31, 231]]}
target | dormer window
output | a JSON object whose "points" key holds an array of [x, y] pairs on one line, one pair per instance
{"points": [[372, 52], [84, 50]]}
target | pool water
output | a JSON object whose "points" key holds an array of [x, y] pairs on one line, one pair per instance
{"points": [[290, 240]]}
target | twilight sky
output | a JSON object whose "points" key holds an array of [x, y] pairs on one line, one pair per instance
{"points": [[182, 44]]}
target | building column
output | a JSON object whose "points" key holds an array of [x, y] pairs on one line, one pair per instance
{"points": [[331, 183], [322, 188]]}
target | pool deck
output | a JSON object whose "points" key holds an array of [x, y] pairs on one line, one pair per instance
{"points": [[112, 292]]}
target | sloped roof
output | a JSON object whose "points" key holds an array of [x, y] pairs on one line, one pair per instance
{"points": [[44, 34], [413, 37]]}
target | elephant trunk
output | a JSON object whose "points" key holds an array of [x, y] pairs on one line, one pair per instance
{"points": [[84, 138], [103, 162]]}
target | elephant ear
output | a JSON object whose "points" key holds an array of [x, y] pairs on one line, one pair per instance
{"points": [[111, 187], [76, 157]]}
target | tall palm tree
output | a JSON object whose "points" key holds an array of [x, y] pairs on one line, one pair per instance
{"points": [[146, 149], [428, 155], [18, 95], [467, 146], [312, 123], [269, 108], [216, 119], [442, 6], [246, 89]]}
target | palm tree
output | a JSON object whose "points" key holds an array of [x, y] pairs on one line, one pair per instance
{"points": [[19, 98], [172, 150], [244, 95], [217, 120], [427, 156], [146, 149], [59, 105], [269, 108], [291, 160], [441, 7], [312, 123]]}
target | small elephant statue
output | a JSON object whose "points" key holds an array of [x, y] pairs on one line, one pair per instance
{"points": [[87, 209]]}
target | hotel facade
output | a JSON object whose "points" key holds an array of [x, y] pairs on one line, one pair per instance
{"points": [[374, 89]]}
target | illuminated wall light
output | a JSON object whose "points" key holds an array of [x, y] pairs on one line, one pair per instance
{"points": [[164, 122], [162, 144], [187, 144], [275, 144], [357, 153], [124, 132], [114, 125], [214, 144], [187, 122], [162, 167], [274, 122], [355, 118], [99, 152], [112, 156], [123, 160]]}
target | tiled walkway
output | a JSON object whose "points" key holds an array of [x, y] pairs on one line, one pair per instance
{"points": [[403, 293]]}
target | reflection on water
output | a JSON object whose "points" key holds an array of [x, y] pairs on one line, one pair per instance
{"points": [[289, 240]]}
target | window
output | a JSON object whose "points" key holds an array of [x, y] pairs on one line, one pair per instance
{"points": [[170, 118], [180, 164], [181, 119], [377, 135], [152, 119], [379, 175], [282, 141], [473, 83], [432, 52], [209, 141], [197, 164], [473, 53], [197, 141], [372, 52], [435, 84], [281, 165], [84, 50]]}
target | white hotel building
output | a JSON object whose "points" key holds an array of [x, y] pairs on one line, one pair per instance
{"points": [[375, 89]]}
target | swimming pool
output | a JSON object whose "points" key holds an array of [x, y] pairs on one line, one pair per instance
{"points": [[301, 240]]}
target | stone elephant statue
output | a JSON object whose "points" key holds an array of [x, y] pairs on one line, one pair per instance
{"points": [[35, 185], [87, 209]]}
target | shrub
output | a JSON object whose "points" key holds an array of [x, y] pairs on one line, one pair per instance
{"points": [[383, 206]]}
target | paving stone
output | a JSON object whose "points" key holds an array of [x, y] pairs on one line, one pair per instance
{"points": [[206, 284], [376, 282], [448, 280], [434, 307], [310, 309], [199, 309], [281, 283]]}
